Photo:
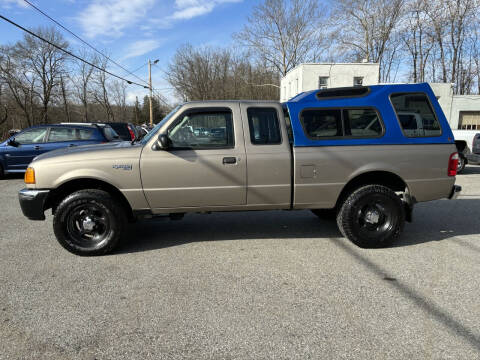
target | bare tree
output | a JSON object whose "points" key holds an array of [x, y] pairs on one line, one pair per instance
{"points": [[417, 38], [452, 21], [282, 33], [44, 61], [20, 81], [4, 117], [206, 73], [119, 95], [81, 82], [64, 96], [367, 32], [100, 93]]}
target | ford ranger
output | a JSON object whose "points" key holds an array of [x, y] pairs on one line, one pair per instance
{"points": [[357, 154]]}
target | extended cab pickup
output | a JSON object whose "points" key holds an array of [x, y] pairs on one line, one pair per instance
{"points": [[346, 152]]}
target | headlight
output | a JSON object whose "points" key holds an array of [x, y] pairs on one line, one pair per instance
{"points": [[29, 176]]}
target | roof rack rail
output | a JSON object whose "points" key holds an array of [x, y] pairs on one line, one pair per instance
{"points": [[343, 92]]}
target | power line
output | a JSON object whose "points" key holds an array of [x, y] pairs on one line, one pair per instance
{"points": [[70, 53], [83, 41], [133, 71]]}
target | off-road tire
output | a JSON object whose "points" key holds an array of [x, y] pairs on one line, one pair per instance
{"points": [[363, 233], [461, 163], [68, 225]]}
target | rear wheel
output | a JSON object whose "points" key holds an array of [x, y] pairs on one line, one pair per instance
{"points": [[89, 222], [372, 216], [461, 163]]}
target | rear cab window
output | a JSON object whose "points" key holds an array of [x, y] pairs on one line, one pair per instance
{"points": [[415, 115], [338, 123], [264, 126]]}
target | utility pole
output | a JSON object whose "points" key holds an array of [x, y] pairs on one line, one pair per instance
{"points": [[151, 88], [151, 91]]}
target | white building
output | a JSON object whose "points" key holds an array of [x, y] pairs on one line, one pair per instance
{"points": [[307, 77], [462, 111]]}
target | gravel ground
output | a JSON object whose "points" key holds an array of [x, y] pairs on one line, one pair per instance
{"points": [[258, 285]]}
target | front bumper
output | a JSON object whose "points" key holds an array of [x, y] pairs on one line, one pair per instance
{"points": [[456, 190], [32, 203]]}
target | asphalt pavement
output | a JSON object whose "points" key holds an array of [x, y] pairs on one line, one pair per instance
{"points": [[259, 285]]}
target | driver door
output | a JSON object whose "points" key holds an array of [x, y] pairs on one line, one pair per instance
{"points": [[201, 168], [31, 143]]}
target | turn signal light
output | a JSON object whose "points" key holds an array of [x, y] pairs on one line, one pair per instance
{"points": [[29, 176], [453, 164]]}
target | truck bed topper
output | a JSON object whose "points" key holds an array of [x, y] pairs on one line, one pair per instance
{"points": [[376, 96]]}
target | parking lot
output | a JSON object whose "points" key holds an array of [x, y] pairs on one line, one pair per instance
{"points": [[254, 285]]}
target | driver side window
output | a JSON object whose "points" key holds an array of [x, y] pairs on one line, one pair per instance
{"points": [[203, 129], [32, 136]]}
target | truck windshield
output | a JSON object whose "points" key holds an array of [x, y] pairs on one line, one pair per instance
{"points": [[152, 133]]}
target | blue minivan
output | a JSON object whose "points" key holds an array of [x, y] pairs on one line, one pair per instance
{"points": [[19, 150]]}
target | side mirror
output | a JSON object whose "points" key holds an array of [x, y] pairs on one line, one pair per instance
{"points": [[13, 142], [163, 142]]}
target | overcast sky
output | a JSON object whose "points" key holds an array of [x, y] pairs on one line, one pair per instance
{"points": [[133, 31]]}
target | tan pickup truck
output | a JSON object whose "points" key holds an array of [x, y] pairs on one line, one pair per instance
{"points": [[342, 153]]}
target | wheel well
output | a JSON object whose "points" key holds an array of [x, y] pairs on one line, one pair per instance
{"points": [[461, 145], [60, 193], [384, 178]]}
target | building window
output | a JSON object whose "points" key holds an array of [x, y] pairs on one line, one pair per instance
{"points": [[469, 120], [358, 81], [323, 82]]}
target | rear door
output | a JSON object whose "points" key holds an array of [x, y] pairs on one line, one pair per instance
{"points": [[200, 169], [268, 156], [31, 143], [61, 137]]}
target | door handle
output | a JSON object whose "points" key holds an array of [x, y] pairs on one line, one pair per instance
{"points": [[36, 147], [229, 160], [71, 145]]}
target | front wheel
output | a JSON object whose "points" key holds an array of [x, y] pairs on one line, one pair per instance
{"points": [[372, 216], [89, 222]]}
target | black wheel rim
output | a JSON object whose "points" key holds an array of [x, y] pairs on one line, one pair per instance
{"points": [[375, 217], [88, 226]]}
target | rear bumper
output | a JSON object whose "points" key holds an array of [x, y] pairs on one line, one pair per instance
{"points": [[32, 203], [456, 190]]}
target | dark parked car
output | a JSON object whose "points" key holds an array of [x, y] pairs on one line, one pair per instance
{"points": [[126, 131], [141, 131], [19, 150]]}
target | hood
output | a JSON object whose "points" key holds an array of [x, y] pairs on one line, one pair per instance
{"points": [[92, 152]]}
